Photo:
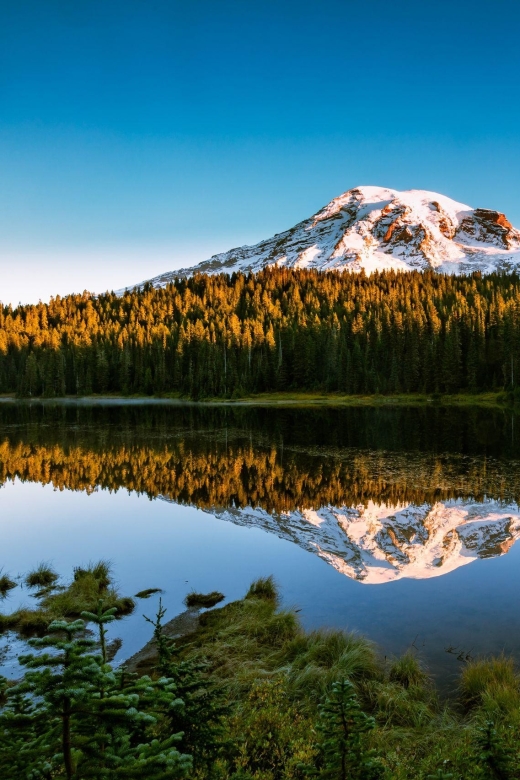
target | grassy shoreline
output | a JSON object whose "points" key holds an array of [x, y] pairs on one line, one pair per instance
{"points": [[274, 674], [252, 672], [498, 399]]}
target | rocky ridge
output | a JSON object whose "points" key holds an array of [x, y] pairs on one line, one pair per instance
{"points": [[376, 229]]}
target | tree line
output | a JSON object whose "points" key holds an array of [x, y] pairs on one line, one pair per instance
{"points": [[280, 329]]}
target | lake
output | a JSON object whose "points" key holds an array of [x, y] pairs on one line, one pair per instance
{"points": [[396, 522]]}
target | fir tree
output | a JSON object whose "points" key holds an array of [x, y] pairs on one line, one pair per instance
{"points": [[199, 719], [343, 727], [496, 760], [72, 715]]}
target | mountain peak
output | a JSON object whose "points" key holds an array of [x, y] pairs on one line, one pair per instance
{"points": [[374, 229]]}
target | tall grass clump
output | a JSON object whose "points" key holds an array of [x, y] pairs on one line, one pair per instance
{"points": [[263, 588], [317, 659], [88, 586], [493, 685], [6, 584], [100, 571], [43, 576], [408, 671]]}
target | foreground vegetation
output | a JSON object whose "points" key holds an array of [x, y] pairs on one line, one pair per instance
{"points": [[279, 330], [252, 696]]}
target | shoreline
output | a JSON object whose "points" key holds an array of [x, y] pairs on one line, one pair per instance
{"points": [[499, 400]]}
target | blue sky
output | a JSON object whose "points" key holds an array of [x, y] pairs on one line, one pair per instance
{"points": [[142, 135]]}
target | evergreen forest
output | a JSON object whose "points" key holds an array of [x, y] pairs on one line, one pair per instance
{"points": [[278, 330]]}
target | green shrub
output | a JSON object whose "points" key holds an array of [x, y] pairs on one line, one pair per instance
{"points": [[343, 727]]}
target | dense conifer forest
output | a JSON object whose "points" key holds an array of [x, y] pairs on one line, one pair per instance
{"points": [[278, 330]]}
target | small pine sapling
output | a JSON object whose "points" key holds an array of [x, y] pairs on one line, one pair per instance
{"points": [[100, 618], [494, 757], [200, 717], [61, 682], [343, 727]]}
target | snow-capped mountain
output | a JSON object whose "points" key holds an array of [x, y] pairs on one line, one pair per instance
{"points": [[374, 229], [381, 543]]}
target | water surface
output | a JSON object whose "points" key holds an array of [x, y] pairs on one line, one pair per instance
{"points": [[399, 523]]}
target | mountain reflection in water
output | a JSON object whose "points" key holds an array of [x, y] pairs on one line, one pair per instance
{"points": [[380, 494], [380, 543]]}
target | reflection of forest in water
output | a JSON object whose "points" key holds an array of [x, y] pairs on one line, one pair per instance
{"points": [[279, 459]]}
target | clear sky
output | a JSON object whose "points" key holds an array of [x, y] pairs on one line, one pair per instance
{"points": [[137, 136]]}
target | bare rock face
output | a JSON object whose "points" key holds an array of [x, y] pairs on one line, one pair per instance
{"points": [[494, 226], [373, 229]]}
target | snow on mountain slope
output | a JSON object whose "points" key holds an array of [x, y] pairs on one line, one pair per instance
{"points": [[374, 229], [381, 543]]}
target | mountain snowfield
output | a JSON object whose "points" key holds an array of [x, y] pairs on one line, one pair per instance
{"points": [[381, 543], [376, 229]]}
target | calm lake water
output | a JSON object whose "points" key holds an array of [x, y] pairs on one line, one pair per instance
{"points": [[399, 523]]}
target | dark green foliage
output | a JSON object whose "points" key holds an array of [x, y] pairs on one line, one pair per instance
{"points": [[200, 718], [280, 329], [496, 759], [343, 727], [100, 618], [205, 600], [73, 716]]}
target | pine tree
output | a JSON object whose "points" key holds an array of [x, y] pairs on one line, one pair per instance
{"points": [[199, 719], [496, 760], [343, 727], [72, 715]]}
